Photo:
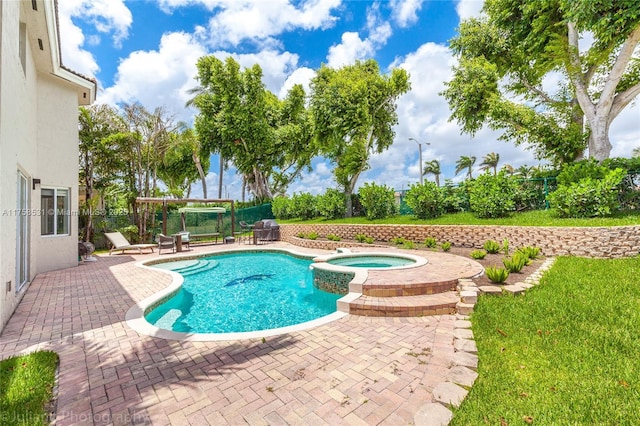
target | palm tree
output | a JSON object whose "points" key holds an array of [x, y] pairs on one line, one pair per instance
{"points": [[524, 171], [490, 160], [635, 152], [465, 162], [509, 168], [433, 167]]}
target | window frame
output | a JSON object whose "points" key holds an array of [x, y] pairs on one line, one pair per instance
{"points": [[56, 213]]}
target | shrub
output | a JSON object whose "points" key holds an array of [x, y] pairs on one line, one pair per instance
{"points": [[281, 207], [446, 246], [492, 195], [360, 238], [398, 241], [588, 197], [303, 206], [430, 242], [333, 237], [312, 235], [455, 198], [505, 247], [331, 204], [369, 240], [478, 254], [491, 246], [378, 201], [408, 244], [425, 200], [497, 275], [514, 263], [301, 235]]}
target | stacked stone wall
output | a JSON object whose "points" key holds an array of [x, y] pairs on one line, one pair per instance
{"points": [[600, 242]]}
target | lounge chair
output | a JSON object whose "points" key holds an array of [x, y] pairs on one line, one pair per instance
{"points": [[119, 242], [165, 241]]}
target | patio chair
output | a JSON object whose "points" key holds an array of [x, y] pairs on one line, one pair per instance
{"points": [[119, 242], [166, 242], [185, 237]]}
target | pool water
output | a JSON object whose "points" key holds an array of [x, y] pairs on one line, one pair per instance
{"points": [[245, 292], [371, 261]]}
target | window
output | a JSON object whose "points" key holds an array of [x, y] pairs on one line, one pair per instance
{"points": [[22, 46], [55, 211]]}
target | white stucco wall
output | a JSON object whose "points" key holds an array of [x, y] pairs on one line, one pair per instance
{"points": [[57, 166], [39, 137]]}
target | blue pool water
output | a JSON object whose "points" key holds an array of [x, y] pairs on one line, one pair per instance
{"points": [[243, 292], [371, 261]]}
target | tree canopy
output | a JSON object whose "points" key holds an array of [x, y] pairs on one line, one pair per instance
{"points": [[354, 111], [267, 139], [506, 55]]}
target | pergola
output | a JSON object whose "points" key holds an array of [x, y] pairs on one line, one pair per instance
{"points": [[166, 201]]}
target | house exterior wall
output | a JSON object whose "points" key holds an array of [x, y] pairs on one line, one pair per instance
{"points": [[38, 138]]}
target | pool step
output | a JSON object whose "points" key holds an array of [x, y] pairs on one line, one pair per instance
{"points": [[200, 266], [405, 306], [407, 288]]}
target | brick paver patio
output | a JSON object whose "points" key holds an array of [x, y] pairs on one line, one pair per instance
{"points": [[356, 370]]}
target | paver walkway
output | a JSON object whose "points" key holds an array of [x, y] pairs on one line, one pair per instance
{"points": [[357, 370]]}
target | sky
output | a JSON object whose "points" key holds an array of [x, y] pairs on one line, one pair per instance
{"points": [[146, 51]]}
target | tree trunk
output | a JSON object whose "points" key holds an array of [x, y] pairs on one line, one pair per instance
{"points": [[220, 177], [599, 144], [203, 177]]}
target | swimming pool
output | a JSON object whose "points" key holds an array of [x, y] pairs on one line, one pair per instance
{"points": [[244, 291]]}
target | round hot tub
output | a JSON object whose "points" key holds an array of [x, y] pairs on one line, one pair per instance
{"points": [[370, 261]]}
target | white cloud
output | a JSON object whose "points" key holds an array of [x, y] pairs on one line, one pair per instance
{"points": [[469, 8], [259, 21], [352, 48], [405, 12], [276, 66], [300, 76], [158, 78], [107, 16]]}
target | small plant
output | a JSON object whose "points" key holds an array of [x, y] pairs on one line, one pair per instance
{"points": [[445, 246], [529, 253], [312, 235], [333, 237], [515, 263], [369, 240], [360, 238], [496, 274], [398, 241], [478, 254], [408, 244], [505, 247], [491, 246], [301, 235], [430, 242]]}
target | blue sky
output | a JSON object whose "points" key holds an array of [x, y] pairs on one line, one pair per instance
{"points": [[145, 51]]}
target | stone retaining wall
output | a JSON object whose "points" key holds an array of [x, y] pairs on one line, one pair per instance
{"points": [[604, 242]]}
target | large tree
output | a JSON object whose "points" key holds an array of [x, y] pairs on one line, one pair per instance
{"points": [[98, 162], [354, 111], [266, 139], [505, 56]]}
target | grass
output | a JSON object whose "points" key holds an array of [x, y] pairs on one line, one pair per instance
{"points": [[566, 353], [26, 388], [529, 218]]}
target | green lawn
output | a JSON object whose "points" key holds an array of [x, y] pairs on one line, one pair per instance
{"points": [[26, 384], [565, 353], [529, 218]]}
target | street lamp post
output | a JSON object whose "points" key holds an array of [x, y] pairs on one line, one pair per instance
{"points": [[420, 158]]}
